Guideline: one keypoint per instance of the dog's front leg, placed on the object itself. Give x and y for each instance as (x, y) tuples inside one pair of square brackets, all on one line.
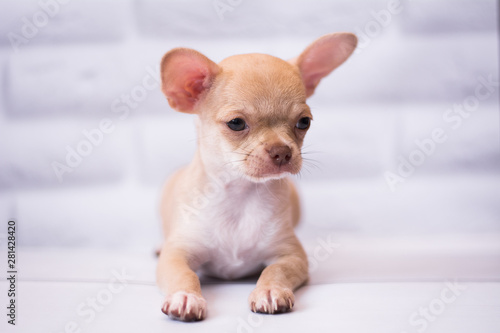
[(274, 291), (181, 284)]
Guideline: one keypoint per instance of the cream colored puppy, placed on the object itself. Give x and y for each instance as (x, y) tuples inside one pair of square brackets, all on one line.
[(231, 212)]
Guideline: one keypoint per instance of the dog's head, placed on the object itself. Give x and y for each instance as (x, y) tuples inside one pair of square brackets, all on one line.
[(252, 108)]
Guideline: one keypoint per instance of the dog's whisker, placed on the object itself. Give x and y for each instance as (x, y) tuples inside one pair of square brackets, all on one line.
[(313, 165), (197, 138), (233, 162), (240, 153), (270, 192), (306, 169), (311, 152)]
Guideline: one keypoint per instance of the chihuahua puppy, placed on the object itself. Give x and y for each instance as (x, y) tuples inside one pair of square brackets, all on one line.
[(231, 212)]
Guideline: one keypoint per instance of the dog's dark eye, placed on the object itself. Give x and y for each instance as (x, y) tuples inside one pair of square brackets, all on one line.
[(303, 123), (237, 124)]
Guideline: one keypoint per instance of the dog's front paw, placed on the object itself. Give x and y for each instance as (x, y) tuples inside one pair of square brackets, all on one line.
[(185, 306), (271, 300)]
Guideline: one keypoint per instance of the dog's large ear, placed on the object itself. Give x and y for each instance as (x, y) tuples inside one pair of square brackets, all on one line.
[(323, 56), (186, 77)]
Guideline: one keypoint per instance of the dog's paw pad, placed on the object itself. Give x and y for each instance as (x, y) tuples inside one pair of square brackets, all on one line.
[(185, 306), (271, 300)]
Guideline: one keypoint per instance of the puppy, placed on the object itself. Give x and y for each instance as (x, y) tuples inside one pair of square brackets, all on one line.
[(231, 212)]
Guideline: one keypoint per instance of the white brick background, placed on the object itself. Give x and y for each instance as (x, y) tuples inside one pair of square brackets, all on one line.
[(73, 71)]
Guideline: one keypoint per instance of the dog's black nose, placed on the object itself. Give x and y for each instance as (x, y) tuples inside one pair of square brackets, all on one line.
[(280, 154)]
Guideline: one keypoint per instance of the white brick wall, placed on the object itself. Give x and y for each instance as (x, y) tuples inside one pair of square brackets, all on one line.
[(64, 21), (67, 79), (105, 216), (93, 65), (29, 147), (254, 19), (449, 16), (473, 145), (424, 205)]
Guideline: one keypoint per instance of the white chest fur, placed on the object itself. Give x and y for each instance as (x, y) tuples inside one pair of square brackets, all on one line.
[(240, 226)]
